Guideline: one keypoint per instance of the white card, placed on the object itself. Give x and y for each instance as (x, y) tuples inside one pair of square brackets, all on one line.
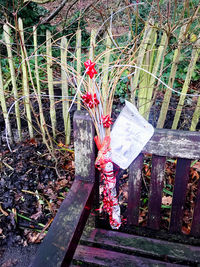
[(129, 135)]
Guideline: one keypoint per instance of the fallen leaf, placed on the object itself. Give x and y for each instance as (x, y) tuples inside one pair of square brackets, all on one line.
[(36, 215), (185, 230), (10, 263), (167, 200), (3, 211), (196, 166)]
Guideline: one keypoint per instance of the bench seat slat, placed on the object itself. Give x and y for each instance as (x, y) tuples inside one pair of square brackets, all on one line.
[(102, 257), (134, 191), (155, 193), (179, 194), (142, 246), (172, 143)]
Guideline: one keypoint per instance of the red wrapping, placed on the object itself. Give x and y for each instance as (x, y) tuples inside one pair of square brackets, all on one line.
[(105, 165)]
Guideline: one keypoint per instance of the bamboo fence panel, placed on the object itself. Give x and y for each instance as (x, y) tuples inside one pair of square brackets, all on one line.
[(168, 93), (139, 61), (160, 52), (4, 107), (25, 78), (64, 82), (78, 57), (37, 77), (194, 57), (105, 71), (145, 77), (50, 82), (148, 58), (13, 78)]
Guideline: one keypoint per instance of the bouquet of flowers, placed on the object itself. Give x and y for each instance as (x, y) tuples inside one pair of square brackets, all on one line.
[(116, 149), (101, 116)]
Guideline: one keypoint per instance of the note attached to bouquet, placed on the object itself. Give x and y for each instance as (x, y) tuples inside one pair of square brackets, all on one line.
[(129, 135)]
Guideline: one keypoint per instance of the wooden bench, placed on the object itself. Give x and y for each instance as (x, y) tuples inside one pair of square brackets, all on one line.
[(136, 246)]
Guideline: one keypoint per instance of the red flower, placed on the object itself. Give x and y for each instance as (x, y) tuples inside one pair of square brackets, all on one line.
[(107, 121), (96, 101), (90, 70), (87, 99)]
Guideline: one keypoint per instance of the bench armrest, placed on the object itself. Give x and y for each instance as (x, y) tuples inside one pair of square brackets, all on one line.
[(59, 245)]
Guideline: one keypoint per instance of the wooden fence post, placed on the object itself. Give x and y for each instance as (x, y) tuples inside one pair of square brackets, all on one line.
[(139, 61), (168, 93), (160, 54), (105, 72), (78, 56), (26, 92), (42, 120), (4, 107), (195, 54), (65, 100), (13, 78), (50, 82), (92, 50), (145, 77)]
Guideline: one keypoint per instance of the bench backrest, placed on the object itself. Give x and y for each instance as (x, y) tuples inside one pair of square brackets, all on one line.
[(185, 146)]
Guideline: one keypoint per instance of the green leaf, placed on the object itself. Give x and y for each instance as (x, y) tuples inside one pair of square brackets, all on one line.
[(167, 192)]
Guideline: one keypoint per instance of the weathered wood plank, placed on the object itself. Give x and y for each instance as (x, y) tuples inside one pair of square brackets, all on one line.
[(172, 143), (102, 257), (195, 229), (59, 245), (155, 194), (138, 245), (84, 146), (179, 194), (135, 175)]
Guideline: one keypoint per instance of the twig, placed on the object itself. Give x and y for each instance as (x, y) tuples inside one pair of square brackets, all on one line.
[(57, 10)]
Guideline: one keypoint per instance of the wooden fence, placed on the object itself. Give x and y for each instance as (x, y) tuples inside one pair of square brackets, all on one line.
[(149, 58)]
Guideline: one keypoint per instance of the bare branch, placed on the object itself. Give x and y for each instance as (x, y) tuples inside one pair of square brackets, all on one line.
[(56, 11)]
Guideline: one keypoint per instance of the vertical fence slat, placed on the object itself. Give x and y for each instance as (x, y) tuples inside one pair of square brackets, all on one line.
[(168, 92), (92, 50), (65, 100), (50, 82), (195, 54), (105, 72), (4, 107), (179, 194), (145, 77), (37, 77), (78, 56), (25, 79), (195, 229), (134, 191), (13, 78), (155, 194), (160, 53), (140, 57), (195, 117)]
